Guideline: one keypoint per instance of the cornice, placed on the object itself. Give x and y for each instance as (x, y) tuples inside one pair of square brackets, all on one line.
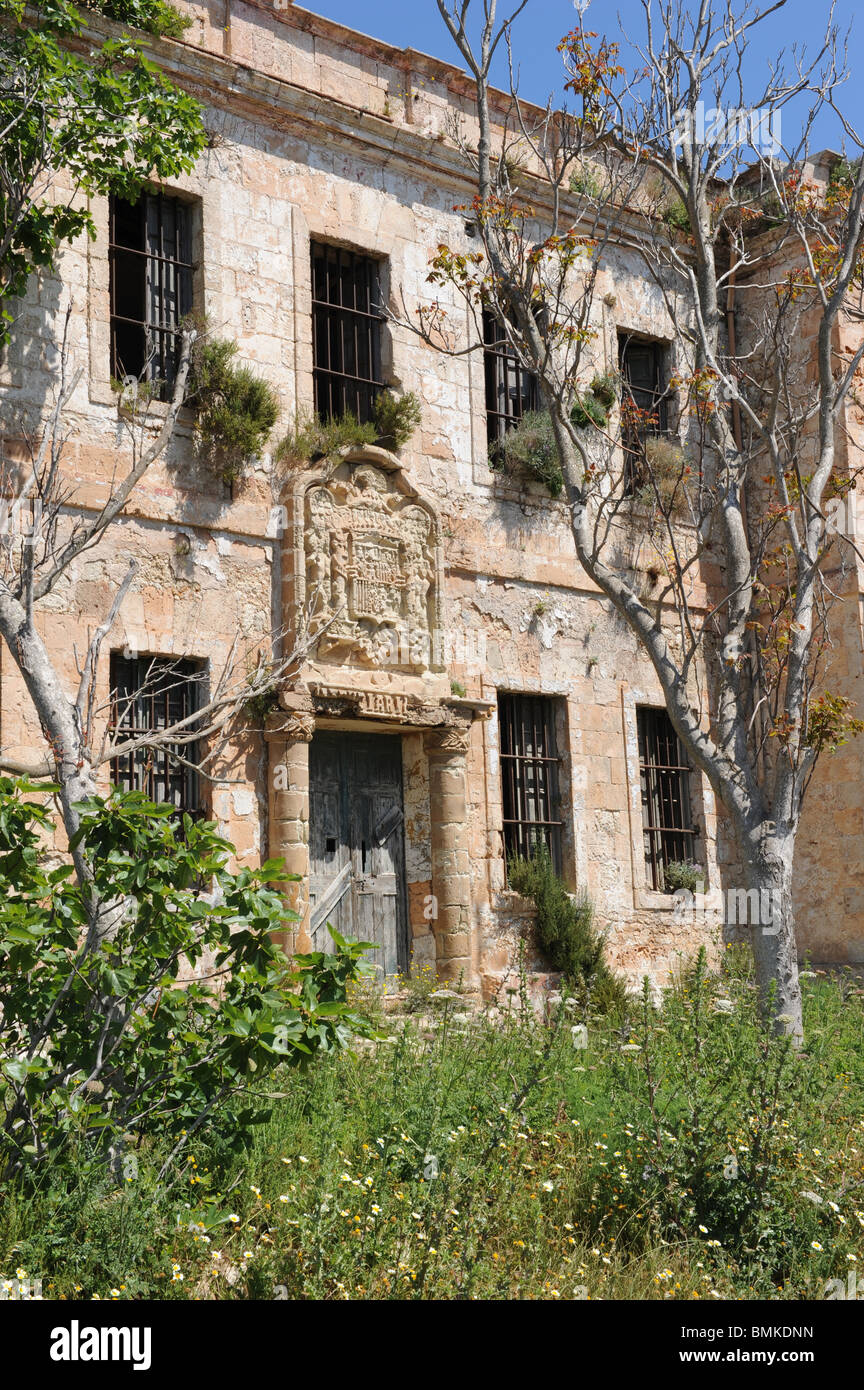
[(220, 82)]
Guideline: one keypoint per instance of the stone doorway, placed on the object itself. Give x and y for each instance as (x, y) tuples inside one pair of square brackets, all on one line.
[(357, 844)]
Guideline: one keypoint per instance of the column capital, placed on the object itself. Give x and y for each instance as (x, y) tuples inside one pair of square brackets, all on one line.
[(290, 726), (449, 738)]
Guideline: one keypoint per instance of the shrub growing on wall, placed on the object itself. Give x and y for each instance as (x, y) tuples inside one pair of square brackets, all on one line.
[(565, 929), (529, 450), (237, 409), (395, 420), (529, 447), (313, 438)]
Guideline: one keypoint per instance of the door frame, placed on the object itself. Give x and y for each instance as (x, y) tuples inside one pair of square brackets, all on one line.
[(368, 733)]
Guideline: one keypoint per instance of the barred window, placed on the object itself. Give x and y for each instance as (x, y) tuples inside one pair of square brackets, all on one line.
[(150, 694), (645, 404), (510, 391), (346, 332), (667, 823), (150, 259), (529, 776)]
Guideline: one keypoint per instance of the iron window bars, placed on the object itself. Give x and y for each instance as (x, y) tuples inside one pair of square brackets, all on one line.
[(346, 332), (664, 774), (149, 694), (644, 381), (510, 391), (529, 776), (150, 260)]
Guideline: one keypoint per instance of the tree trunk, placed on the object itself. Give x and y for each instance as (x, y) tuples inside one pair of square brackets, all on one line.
[(772, 929), (57, 717)]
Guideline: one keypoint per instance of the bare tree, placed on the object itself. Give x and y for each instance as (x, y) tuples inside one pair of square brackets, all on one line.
[(721, 219), (44, 533)]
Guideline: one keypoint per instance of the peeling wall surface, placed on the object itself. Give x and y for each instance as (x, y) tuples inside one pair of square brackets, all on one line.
[(456, 585)]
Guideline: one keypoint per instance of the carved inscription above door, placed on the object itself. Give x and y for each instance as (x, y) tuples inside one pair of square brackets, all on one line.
[(370, 558)]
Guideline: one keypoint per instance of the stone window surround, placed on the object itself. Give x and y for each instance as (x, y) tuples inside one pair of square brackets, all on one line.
[(607, 360), (572, 860), (205, 234), (159, 643), (308, 226), (670, 361), (195, 680), (703, 808)]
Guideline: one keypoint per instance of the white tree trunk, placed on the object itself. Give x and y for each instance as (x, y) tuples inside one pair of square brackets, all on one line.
[(775, 952), (56, 712)]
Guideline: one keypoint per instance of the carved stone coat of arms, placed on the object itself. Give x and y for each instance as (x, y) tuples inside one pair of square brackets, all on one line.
[(370, 572)]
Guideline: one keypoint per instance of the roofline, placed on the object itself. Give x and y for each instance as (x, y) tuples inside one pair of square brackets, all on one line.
[(450, 74)]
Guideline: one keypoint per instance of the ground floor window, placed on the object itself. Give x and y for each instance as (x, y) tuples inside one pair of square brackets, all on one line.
[(530, 766), (148, 695), (664, 773)]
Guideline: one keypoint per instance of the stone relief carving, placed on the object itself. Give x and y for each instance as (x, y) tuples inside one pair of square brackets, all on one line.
[(370, 572), (292, 726), (452, 738)]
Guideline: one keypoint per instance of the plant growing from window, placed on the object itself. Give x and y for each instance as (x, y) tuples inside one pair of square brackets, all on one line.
[(679, 874), (396, 418), (667, 470), (237, 409), (313, 438), (528, 449), (566, 931)]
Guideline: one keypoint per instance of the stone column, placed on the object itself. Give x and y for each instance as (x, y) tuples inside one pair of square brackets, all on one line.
[(288, 735), (451, 867)]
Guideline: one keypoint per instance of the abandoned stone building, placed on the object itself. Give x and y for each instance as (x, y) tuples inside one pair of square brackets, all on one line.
[(463, 689)]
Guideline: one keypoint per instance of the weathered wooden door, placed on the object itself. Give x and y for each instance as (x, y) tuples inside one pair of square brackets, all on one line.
[(357, 844)]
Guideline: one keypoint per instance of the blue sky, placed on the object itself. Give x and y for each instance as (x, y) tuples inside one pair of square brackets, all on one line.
[(417, 24)]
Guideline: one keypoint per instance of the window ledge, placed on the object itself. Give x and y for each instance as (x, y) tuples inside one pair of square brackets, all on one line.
[(647, 899)]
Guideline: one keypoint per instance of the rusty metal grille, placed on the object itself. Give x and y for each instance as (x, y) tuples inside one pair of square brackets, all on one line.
[(150, 260), (643, 376), (529, 776), (510, 391), (346, 332), (149, 694), (664, 772)]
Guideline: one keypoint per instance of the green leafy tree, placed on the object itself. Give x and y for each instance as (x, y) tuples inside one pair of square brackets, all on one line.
[(165, 1023), (73, 126)]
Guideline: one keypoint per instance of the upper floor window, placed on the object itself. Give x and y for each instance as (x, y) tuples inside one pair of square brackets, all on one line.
[(150, 257), (664, 774), (646, 399), (148, 695), (529, 776), (510, 391), (346, 332)]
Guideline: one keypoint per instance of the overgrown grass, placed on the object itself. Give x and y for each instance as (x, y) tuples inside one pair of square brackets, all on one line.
[(680, 1156)]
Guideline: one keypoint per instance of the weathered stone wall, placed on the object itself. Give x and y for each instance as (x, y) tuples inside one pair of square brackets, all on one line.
[(319, 133), (828, 885)]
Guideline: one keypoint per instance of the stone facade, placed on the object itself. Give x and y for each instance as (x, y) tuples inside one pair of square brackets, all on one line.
[(415, 588)]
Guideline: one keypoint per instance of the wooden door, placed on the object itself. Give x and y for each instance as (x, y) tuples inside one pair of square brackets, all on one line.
[(357, 844)]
